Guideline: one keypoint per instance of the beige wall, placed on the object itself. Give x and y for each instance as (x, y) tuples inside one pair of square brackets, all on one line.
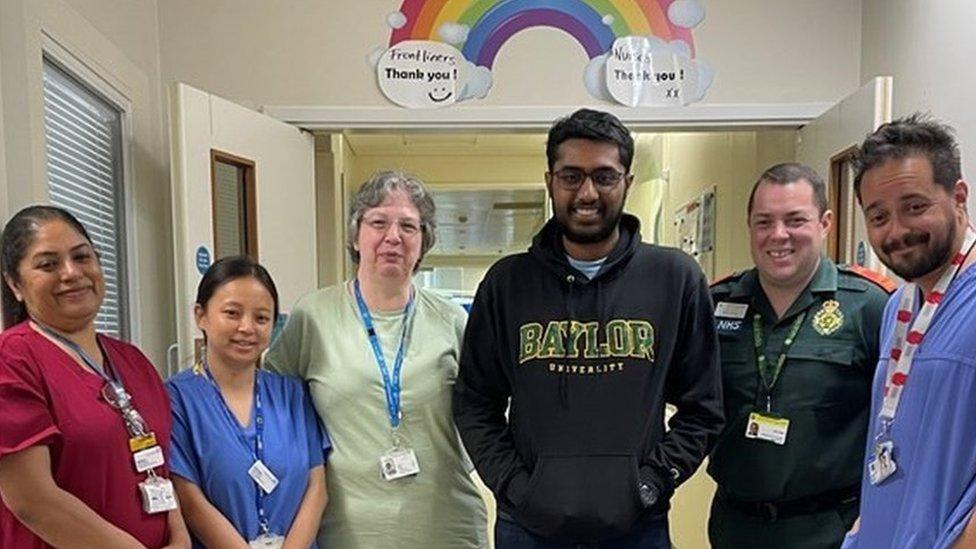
[(730, 162), (928, 47), (312, 52), (119, 42)]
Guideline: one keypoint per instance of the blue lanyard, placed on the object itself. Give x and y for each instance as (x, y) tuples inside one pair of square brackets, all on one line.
[(113, 391), (110, 377), (391, 385), (257, 451)]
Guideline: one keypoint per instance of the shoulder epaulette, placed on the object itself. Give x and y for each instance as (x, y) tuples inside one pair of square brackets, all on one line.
[(725, 278), (877, 278)]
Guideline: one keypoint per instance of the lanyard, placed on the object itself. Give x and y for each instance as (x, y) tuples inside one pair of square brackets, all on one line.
[(769, 379), (113, 391), (391, 384), (110, 377), (910, 333), (257, 451)]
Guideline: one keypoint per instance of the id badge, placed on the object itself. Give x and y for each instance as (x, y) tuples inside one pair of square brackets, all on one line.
[(399, 463), (766, 427), (883, 464), (157, 495), (147, 459), (263, 476), (267, 541)]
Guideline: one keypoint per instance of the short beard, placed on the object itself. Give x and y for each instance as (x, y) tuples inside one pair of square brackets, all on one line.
[(939, 257), (591, 238)]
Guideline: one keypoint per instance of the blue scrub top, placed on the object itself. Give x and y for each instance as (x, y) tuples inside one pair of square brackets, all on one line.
[(207, 450), (927, 502)]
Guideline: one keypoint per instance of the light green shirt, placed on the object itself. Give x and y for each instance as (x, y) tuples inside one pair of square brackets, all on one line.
[(325, 343)]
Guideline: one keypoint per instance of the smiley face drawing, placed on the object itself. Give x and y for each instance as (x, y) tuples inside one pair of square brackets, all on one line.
[(440, 94)]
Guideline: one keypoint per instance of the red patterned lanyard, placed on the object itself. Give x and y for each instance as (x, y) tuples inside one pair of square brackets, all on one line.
[(909, 334)]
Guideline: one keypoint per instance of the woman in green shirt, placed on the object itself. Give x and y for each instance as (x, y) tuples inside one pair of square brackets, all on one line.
[(380, 357)]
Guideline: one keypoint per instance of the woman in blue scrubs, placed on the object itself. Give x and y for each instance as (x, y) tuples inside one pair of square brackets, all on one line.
[(248, 451)]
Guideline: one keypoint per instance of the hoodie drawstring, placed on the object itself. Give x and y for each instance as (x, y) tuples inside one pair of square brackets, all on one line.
[(571, 314)]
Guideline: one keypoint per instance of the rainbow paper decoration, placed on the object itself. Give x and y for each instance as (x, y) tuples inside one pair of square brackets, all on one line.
[(595, 24)]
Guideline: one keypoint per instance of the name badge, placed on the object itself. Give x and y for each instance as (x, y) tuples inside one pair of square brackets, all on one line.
[(267, 541), (263, 476), (726, 309), (399, 463), (157, 494), (768, 428), (147, 459), (883, 465)]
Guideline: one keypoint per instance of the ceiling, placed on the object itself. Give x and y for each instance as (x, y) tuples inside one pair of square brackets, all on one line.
[(493, 220), (487, 222)]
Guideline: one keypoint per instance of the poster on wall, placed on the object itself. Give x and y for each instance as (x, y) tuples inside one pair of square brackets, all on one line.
[(641, 52), (694, 224)]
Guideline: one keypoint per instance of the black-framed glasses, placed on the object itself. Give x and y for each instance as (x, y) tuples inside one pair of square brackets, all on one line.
[(572, 179)]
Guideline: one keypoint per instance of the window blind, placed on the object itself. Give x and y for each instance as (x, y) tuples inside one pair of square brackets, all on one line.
[(84, 170)]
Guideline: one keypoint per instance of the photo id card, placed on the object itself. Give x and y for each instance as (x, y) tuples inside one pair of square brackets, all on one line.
[(399, 463), (267, 541), (263, 476), (157, 495), (883, 464), (147, 459), (766, 427)]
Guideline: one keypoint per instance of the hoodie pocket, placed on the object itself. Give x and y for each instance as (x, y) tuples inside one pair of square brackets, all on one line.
[(582, 498)]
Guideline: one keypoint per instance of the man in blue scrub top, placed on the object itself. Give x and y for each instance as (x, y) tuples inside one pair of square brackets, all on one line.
[(919, 485)]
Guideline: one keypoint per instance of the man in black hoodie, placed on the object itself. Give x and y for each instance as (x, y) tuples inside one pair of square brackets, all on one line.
[(584, 339)]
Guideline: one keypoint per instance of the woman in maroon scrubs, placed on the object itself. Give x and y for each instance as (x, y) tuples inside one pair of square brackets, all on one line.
[(86, 421)]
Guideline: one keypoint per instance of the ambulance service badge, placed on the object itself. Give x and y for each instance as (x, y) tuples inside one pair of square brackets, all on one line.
[(829, 318)]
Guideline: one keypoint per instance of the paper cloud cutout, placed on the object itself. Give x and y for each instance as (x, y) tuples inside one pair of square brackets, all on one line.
[(477, 82), (396, 20), (706, 75), (686, 13), (595, 78), (374, 56), (680, 47), (453, 33)]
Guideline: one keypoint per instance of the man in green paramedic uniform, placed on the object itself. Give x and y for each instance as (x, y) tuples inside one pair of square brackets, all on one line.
[(799, 344)]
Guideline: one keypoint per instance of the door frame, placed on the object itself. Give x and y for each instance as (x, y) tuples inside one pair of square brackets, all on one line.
[(709, 116)]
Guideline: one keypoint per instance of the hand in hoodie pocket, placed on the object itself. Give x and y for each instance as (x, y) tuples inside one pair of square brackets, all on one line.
[(582, 498)]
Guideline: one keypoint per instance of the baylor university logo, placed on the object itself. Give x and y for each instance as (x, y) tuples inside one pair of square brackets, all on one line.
[(562, 339)]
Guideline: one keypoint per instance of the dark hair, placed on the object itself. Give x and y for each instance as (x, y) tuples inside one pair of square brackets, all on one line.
[(230, 268), (915, 135), (592, 125), (18, 235), (374, 191), (792, 172)]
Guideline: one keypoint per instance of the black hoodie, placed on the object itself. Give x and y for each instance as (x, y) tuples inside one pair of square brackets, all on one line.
[(589, 366)]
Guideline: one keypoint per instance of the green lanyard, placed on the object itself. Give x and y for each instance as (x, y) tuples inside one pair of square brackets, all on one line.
[(768, 378)]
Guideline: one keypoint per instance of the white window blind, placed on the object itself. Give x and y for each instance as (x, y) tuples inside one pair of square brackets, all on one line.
[(84, 170)]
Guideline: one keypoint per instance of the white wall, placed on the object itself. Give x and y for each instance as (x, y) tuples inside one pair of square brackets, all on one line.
[(284, 172), (312, 52), (118, 41), (928, 47)]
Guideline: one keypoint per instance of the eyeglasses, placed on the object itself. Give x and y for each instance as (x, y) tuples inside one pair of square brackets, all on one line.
[(407, 227), (572, 179)]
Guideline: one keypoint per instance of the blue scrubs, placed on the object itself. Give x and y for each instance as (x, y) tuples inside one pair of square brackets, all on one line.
[(927, 502), (207, 449)]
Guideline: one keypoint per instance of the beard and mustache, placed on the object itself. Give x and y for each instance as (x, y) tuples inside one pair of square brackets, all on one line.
[(603, 232), (935, 256)]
